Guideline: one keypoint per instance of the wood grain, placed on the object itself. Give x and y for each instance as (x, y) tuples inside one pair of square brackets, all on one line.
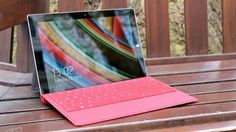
[(192, 78), (26, 92), (156, 119), (196, 29), (198, 78), (213, 83), (157, 28), (7, 66), (214, 126), (23, 117), (73, 5), (15, 78), (208, 88), (21, 105), (3, 91), (229, 26), (6, 45), (188, 59), (24, 57), (215, 98), (13, 12), (109, 4), (22, 92), (194, 67), (208, 106), (207, 98)]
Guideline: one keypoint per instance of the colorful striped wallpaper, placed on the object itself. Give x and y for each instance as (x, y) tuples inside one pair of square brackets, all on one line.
[(85, 52)]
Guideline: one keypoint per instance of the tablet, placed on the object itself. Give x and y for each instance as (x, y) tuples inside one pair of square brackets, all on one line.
[(81, 49)]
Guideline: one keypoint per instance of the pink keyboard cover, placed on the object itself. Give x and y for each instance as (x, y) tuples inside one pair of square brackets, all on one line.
[(105, 94), (87, 99)]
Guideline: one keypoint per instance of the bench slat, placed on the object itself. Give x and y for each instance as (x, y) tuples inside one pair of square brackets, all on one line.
[(196, 78), (24, 55), (3, 91), (6, 45), (7, 66), (215, 126), (196, 67), (10, 9), (73, 5), (157, 28), (41, 126), (14, 12), (208, 88), (24, 92), (196, 29), (33, 116), (21, 105), (229, 26), (15, 78), (189, 59), (190, 114), (108, 4), (215, 98)]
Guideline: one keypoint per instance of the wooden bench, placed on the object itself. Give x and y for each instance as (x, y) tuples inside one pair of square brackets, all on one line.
[(210, 78)]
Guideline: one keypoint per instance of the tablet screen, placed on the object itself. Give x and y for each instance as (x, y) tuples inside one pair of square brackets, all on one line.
[(77, 50)]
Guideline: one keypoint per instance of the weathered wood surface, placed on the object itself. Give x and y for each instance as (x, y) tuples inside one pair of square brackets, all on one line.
[(196, 27), (157, 28), (213, 83), (210, 78), (229, 26), (6, 45), (13, 12)]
